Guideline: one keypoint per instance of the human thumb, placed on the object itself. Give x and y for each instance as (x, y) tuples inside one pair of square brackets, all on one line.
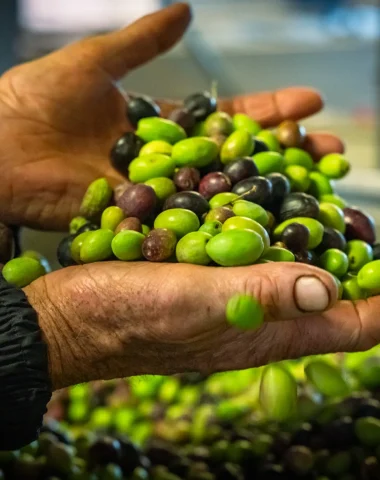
[(120, 51), (285, 290)]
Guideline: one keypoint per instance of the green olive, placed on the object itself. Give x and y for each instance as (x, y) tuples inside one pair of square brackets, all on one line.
[(320, 185), (195, 152), (199, 130), (367, 430), (235, 248), (334, 165), (145, 229), (111, 217), (339, 285), (270, 139), (277, 254), (192, 248), (96, 199), (269, 162), (212, 228), (359, 253), (246, 223), (156, 146), (22, 271), (338, 464), (369, 276), (77, 245), (76, 223), (39, 257), (218, 123), (239, 144), (298, 177), (222, 199), (326, 378), (244, 122), (334, 261), (315, 228), (127, 245), (332, 216), (351, 289), (243, 208), (278, 393), (96, 246), (150, 166), (155, 128), (335, 199), (244, 312), (179, 220), (297, 156), (163, 187)]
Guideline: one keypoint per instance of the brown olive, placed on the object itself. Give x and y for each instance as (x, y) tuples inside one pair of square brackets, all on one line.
[(290, 134)]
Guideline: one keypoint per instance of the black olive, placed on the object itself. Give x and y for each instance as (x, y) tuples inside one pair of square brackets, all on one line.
[(87, 227), (193, 201), (105, 450), (332, 239), (368, 407), (163, 455), (376, 251), (296, 237), (126, 149), (280, 189), (215, 166), (130, 456), (64, 253), (260, 146), (201, 105), (299, 205), (303, 436), (339, 432), (141, 107), (240, 169), (254, 189)]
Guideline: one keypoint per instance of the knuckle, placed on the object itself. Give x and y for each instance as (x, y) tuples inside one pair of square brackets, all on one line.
[(266, 289)]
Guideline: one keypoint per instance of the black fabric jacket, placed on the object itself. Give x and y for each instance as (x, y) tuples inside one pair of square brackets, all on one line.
[(25, 387)]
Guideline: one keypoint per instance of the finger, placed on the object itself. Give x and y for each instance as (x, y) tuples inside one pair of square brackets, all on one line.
[(320, 144), (285, 290), (271, 108), (347, 327), (145, 39)]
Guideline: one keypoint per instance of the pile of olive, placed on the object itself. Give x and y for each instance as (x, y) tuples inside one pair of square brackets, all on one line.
[(207, 188), (210, 189), (234, 426)]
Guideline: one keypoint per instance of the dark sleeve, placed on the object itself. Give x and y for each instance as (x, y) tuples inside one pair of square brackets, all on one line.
[(25, 387)]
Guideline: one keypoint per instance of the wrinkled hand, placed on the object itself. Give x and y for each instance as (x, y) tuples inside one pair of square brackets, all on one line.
[(111, 320), (60, 115)]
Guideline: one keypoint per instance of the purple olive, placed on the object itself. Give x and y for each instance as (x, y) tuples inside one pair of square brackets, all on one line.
[(359, 225), (187, 178), (138, 201), (214, 183)]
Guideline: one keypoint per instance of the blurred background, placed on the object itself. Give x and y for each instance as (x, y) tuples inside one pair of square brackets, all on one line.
[(246, 45)]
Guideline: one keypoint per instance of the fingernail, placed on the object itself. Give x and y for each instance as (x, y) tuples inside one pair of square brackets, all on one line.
[(311, 295)]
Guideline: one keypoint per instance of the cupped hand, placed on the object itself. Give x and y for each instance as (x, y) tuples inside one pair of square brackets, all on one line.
[(60, 115), (111, 320)]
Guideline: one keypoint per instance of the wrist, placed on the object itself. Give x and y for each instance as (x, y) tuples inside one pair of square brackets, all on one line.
[(111, 320), (74, 356)]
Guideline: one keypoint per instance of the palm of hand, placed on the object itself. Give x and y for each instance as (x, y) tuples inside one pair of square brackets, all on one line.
[(62, 116)]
